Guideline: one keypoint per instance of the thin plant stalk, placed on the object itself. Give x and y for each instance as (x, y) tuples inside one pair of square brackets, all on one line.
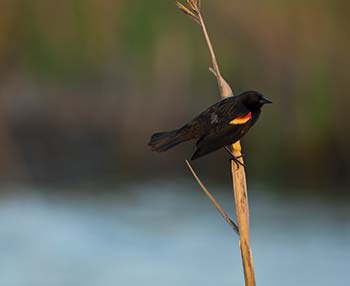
[(213, 200), (238, 174)]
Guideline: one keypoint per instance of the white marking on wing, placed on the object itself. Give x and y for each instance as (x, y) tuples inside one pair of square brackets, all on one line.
[(214, 118)]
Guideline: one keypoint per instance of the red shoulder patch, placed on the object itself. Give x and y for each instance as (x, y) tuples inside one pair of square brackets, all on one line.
[(241, 119)]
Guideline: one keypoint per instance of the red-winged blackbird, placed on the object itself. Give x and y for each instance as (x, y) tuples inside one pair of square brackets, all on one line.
[(220, 125)]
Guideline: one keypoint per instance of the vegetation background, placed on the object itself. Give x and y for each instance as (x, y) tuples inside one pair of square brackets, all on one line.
[(83, 85)]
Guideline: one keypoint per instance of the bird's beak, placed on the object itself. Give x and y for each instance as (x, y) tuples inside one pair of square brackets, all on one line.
[(264, 100)]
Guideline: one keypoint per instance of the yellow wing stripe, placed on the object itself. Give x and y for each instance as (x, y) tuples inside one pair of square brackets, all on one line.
[(241, 119)]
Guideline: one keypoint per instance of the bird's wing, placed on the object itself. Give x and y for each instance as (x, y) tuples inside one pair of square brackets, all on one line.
[(226, 111), (221, 138)]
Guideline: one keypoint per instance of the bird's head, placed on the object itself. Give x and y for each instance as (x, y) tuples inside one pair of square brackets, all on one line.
[(253, 100)]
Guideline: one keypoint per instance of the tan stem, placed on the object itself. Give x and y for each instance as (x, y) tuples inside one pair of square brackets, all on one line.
[(225, 89), (242, 214), (213, 200), (238, 177)]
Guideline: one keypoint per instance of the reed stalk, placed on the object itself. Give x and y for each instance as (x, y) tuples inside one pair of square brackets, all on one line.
[(239, 183)]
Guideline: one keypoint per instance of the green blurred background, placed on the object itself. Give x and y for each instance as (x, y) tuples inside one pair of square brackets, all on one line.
[(83, 85)]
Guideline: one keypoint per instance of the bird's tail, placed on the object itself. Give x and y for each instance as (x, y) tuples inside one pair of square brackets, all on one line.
[(163, 141)]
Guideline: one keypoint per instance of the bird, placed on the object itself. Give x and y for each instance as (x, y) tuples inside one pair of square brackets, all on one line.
[(220, 125)]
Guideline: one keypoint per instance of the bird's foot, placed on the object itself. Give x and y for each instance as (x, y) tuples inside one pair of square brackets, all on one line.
[(235, 158), (237, 162)]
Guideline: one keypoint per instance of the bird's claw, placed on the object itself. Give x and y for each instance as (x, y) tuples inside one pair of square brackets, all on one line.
[(237, 162), (235, 159)]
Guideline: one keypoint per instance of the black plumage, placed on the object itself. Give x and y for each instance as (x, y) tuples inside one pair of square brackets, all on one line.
[(222, 124)]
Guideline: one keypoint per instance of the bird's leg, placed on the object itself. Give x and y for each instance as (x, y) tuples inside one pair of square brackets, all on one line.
[(235, 158)]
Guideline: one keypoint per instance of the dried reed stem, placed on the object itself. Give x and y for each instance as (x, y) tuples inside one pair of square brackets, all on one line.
[(238, 174), (224, 87), (242, 214), (213, 200)]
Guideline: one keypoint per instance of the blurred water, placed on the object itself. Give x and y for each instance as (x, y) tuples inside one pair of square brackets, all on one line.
[(167, 234)]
